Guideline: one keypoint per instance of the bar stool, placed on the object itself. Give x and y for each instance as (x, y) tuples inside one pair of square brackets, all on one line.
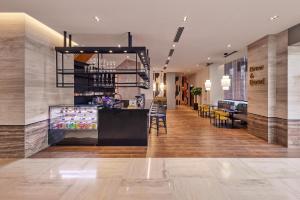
[(157, 115)]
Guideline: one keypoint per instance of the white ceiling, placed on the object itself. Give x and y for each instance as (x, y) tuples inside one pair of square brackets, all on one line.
[(211, 25)]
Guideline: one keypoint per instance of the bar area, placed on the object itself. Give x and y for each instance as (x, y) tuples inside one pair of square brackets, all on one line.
[(101, 79)]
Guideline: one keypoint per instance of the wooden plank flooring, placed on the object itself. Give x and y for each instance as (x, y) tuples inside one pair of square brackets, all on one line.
[(188, 136)]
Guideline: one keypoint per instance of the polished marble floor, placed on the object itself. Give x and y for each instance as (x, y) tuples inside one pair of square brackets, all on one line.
[(150, 178)]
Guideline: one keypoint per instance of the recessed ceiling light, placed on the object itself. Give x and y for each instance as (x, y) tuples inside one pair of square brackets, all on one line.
[(185, 18), (208, 58), (174, 45), (97, 18), (125, 51), (81, 51), (110, 51), (96, 51), (119, 45), (274, 17), (66, 51), (228, 45), (169, 58)]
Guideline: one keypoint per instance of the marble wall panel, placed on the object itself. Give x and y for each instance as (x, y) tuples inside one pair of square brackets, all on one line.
[(36, 137), (12, 69)]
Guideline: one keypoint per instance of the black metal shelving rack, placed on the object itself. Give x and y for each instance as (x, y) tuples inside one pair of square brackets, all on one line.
[(142, 73)]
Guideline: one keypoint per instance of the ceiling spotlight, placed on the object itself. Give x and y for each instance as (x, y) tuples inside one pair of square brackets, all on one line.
[(110, 51), (66, 51), (174, 45), (125, 51), (208, 58), (228, 45), (96, 51), (119, 45), (97, 18), (185, 18), (169, 58), (81, 51), (274, 17)]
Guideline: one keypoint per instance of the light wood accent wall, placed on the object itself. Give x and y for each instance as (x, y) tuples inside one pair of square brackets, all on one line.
[(258, 95), (281, 75)]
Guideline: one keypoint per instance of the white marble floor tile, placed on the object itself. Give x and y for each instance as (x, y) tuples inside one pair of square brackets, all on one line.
[(150, 178)]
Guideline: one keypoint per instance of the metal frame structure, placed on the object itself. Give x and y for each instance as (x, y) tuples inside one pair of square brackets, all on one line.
[(140, 52)]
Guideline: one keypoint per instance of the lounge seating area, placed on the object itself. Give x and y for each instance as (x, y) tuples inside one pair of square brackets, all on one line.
[(225, 114)]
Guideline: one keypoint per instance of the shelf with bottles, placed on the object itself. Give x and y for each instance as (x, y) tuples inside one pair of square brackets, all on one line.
[(73, 117)]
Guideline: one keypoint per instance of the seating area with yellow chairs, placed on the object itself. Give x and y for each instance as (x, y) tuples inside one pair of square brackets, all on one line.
[(204, 110), (221, 118)]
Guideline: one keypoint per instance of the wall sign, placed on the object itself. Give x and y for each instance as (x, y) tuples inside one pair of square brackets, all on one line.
[(253, 81)]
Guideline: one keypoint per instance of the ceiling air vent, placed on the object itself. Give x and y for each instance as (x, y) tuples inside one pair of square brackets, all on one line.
[(178, 34), (171, 52)]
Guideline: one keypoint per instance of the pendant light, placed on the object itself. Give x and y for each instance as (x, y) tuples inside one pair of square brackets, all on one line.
[(154, 87), (162, 86), (225, 81), (207, 85)]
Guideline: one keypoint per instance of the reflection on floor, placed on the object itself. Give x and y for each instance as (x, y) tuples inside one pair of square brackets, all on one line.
[(150, 178), (188, 136)]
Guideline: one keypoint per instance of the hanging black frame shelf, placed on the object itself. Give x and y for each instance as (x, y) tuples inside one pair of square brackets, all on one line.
[(142, 73)]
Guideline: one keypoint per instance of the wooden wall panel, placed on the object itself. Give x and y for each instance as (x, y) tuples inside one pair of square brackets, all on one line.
[(258, 95), (282, 75)]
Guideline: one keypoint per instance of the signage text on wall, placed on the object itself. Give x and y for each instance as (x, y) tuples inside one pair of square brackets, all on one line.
[(253, 81)]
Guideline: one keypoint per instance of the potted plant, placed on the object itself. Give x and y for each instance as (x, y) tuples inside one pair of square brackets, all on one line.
[(196, 91)]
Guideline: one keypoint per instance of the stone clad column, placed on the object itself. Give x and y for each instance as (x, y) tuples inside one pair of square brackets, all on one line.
[(171, 101), (273, 89)]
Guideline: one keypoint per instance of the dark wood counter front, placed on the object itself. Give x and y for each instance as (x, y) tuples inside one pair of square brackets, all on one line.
[(123, 127)]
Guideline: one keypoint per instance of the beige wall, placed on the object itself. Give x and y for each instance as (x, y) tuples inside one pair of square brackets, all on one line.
[(216, 73), (294, 82), (40, 75), (12, 31), (171, 101), (28, 62), (197, 80)]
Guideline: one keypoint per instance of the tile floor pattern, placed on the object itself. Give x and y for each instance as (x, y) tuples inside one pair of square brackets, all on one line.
[(150, 178)]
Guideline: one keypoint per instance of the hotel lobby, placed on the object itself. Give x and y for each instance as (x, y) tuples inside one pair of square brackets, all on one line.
[(176, 100)]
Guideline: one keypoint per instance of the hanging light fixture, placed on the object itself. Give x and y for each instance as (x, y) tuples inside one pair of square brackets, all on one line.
[(154, 87), (207, 85), (162, 86), (225, 82)]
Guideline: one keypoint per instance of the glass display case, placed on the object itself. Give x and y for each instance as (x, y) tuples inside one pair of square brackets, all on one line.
[(73, 117)]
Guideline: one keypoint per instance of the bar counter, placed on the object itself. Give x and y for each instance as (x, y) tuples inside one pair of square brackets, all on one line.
[(114, 126), (123, 127)]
